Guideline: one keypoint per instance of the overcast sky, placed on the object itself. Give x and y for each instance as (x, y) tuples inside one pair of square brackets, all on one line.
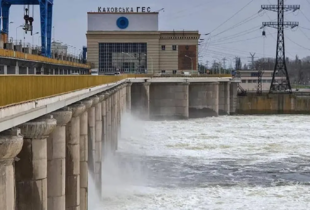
[(239, 36)]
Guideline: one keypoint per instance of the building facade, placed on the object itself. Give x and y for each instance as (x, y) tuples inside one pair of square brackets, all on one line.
[(131, 42), (249, 79)]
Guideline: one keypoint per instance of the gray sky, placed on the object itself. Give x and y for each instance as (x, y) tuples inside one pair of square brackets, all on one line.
[(70, 21)]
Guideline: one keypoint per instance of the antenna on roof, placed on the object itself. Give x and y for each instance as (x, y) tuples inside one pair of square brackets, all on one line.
[(162, 9)]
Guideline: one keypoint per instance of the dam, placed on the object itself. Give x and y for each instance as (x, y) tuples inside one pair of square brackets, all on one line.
[(51, 138)]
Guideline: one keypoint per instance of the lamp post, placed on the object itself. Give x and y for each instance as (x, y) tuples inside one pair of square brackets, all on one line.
[(33, 37), (191, 62), (16, 32)]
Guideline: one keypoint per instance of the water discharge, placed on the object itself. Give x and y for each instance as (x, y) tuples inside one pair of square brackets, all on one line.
[(233, 162)]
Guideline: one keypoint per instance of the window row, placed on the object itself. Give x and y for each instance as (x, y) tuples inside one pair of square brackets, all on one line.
[(123, 57), (174, 47)]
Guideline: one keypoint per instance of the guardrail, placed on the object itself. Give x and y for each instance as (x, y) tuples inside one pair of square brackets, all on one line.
[(179, 75), (30, 57), (22, 88)]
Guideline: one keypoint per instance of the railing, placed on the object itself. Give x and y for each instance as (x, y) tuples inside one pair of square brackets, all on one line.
[(18, 89), (30, 57), (22, 88), (180, 75)]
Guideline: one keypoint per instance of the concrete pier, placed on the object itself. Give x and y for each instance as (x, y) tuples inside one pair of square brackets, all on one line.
[(108, 142), (224, 98), (204, 99), (98, 142), (73, 158), (84, 155), (104, 123), (169, 100), (56, 161), (11, 143), (31, 169)]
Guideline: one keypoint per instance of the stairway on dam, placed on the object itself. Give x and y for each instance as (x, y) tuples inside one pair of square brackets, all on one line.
[(54, 129)]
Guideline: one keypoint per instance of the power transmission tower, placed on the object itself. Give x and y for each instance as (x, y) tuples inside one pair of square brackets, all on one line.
[(259, 81), (224, 63), (280, 70), (252, 61)]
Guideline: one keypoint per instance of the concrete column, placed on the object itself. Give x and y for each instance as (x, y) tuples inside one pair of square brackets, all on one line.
[(147, 102), (128, 96), (73, 158), (5, 69), (227, 98), (104, 123), (27, 70), (42, 70), (31, 169), (233, 97), (109, 123), (56, 161), (184, 102), (216, 90), (11, 142), (118, 115), (17, 68), (98, 142), (113, 120), (84, 155), (92, 134)]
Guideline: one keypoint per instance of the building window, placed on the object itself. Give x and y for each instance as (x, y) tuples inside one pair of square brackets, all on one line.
[(243, 81), (163, 47), (122, 57), (174, 47), (163, 71), (174, 72)]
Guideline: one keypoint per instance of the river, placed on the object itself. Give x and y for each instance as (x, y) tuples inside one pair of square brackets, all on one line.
[(229, 162)]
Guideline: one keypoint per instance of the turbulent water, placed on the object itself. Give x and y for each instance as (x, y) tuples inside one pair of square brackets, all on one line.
[(239, 162)]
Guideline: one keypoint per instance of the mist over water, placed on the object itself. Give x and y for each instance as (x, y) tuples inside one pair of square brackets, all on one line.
[(231, 162)]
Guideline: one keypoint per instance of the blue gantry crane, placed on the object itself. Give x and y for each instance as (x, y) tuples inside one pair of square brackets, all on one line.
[(46, 15)]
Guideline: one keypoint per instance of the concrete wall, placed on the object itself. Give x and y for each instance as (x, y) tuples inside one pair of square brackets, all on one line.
[(169, 100), (204, 99), (183, 99), (273, 104)]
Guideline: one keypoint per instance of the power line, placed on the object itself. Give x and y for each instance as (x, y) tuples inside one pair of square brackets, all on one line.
[(233, 15), (304, 15), (297, 43), (254, 29), (239, 40), (304, 28), (239, 24)]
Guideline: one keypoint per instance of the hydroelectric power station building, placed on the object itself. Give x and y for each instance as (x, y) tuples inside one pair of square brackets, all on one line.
[(128, 40)]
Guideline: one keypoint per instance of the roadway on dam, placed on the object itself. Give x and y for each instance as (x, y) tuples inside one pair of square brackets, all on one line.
[(229, 162)]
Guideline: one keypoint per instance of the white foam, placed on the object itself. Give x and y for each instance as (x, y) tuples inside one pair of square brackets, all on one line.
[(252, 139)]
